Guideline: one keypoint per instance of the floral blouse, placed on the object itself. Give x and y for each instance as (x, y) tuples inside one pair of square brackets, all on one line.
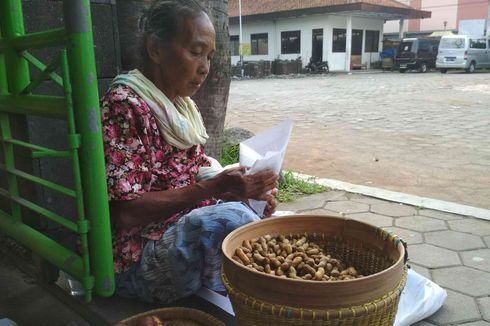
[(137, 161)]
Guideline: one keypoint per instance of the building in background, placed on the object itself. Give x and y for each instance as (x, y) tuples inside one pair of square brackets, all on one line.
[(463, 16), (343, 32)]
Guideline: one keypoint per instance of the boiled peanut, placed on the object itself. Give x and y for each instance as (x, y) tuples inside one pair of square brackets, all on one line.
[(328, 267), (312, 252), (244, 258), (276, 263), (267, 268), (258, 257), (352, 271), (258, 267), (247, 245), (319, 273), (300, 265), (335, 272), (256, 246), (285, 266), (296, 261), (310, 269), (301, 241)]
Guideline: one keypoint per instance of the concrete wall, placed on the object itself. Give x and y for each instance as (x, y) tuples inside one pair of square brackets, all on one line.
[(442, 10), (449, 11), (470, 9), (306, 25)]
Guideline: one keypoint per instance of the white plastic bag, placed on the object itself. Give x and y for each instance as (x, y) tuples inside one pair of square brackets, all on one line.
[(419, 299), (7, 322)]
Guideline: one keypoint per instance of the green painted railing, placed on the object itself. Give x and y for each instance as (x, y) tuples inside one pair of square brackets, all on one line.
[(93, 265)]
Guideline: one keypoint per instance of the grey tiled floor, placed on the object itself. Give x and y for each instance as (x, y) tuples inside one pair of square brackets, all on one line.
[(451, 250)]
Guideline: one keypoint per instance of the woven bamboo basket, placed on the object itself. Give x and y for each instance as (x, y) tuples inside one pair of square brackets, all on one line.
[(262, 299), (174, 316)]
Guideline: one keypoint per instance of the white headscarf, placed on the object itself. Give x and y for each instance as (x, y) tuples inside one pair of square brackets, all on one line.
[(180, 125)]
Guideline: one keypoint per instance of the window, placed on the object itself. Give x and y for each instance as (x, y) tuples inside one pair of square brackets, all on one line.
[(452, 43), (234, 45), (372, 41), (406, 47), (424, 46), (356, 43), (290, 42), (260, 43), (478, 43), (338, 40)]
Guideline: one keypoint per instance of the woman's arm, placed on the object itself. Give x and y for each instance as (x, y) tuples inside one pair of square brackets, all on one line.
[(128, 132), (158, 205)]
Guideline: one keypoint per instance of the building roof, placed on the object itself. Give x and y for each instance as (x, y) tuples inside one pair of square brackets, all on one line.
[(273, 9)]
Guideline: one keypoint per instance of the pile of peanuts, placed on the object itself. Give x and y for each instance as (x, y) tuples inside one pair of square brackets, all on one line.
[(293, 257)]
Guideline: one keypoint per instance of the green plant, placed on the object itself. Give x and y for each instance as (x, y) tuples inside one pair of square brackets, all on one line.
[(291, 187), (230, 155)]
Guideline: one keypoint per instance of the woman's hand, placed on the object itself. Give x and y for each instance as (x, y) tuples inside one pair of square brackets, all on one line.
[(234, 182), (271, 205)]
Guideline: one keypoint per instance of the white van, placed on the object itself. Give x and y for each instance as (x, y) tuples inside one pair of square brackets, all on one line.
[(463, 52)]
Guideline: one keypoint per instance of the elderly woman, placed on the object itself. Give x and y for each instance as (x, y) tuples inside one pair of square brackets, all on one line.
[(168, 221)]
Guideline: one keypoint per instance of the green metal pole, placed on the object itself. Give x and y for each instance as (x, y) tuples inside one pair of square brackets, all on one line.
[(3, 72), (40, 105), (87, 114), (43, 245), (74, 141), (12, 25)]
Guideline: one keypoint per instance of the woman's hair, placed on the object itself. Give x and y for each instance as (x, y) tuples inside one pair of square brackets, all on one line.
[(163, 19)]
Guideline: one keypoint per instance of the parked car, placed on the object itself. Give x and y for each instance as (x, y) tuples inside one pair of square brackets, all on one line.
[(417, 53), (463, 52)]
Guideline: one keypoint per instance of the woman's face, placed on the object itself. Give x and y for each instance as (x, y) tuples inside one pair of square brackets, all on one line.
[(184, 65)]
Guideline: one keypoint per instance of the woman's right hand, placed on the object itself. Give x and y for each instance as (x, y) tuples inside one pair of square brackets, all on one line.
[(251, 186)]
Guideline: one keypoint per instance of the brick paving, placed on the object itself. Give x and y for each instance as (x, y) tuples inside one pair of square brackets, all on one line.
[(421, 134), (451, 250)]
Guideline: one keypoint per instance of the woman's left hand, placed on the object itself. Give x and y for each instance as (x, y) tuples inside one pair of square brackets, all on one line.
[(271, 205)]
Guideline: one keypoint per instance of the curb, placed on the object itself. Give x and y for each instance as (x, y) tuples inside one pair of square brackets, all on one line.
[(399, 197)]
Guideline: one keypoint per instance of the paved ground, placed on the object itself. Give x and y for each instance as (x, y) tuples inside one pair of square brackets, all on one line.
[(452, 250), (422, 134), (434, 144)]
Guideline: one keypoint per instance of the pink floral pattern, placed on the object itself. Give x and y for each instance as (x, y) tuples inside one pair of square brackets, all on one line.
[(137, 161)]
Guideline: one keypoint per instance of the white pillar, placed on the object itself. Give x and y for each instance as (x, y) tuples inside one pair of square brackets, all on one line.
[(276, 43), (488, 21), (348, 43), (401, 29), (240, 41)]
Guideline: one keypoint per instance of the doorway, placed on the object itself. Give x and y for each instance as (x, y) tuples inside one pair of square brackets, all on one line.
[(317, 45), (356, 49)]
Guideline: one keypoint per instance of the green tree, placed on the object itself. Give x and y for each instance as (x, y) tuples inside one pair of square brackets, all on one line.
[(212, 98)]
